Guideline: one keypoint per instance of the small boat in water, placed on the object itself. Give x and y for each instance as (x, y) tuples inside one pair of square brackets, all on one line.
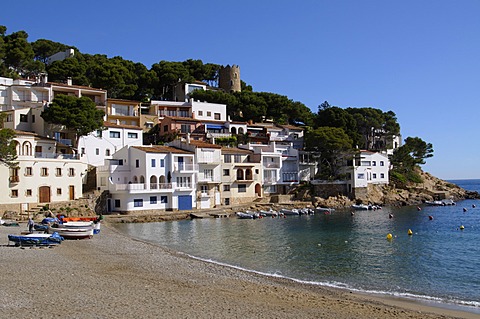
[(293, 211), (269, 213), (360, 207), (246, 215), (324, 210), (36, 239), (443, 202)]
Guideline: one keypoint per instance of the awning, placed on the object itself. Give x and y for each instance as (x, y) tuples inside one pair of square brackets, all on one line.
[(215, 126)]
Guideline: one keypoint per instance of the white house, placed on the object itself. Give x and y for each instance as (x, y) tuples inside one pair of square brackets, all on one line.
[(208, 157), (368, 168), (47, 172), (147, 178), (100, 145)]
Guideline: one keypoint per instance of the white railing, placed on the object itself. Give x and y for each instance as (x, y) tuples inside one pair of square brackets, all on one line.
[(178, 167), (57, 155), (213, 179), (161, 186), (271, 165)]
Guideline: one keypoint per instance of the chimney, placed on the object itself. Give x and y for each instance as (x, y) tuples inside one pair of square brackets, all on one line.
[(69, 80), (193, 114)]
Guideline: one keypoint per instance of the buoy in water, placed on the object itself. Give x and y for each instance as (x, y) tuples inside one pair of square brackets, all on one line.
[(389, 236), (419, 208), (473, 206), (464, 209), (462, 228), (430, 217), (410, 232), (390, 215)]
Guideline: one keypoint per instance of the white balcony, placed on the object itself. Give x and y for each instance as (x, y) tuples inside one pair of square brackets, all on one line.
[(182, 167), (209, 179)]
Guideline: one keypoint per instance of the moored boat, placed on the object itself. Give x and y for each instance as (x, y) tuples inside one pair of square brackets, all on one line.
[(292, 211)]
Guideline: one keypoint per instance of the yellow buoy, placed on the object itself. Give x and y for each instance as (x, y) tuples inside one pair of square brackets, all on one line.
[(410, 232), (462, 228), (389, 236)]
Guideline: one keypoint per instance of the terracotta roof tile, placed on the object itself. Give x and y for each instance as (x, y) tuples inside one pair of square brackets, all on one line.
[(161, 149)]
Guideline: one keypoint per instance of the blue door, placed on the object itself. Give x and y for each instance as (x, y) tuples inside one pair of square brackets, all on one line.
[(180, 164), (185, 202)]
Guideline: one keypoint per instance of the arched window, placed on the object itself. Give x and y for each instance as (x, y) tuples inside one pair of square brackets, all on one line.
[(161, 180), (135, 179), (239, 174), (153, 182), (234, 130), (26, 149), (248, 174), (142, 179), (240, 130)]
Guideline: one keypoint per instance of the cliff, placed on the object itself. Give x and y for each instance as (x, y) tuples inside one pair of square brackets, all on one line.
[(431, 189)]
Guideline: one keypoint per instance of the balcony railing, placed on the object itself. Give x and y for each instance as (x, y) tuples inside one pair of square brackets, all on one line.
[(57, 155), (270, 180), (179, 167), (183, 185), (65, 141), (161, 186), (209, 179), (271, 165)]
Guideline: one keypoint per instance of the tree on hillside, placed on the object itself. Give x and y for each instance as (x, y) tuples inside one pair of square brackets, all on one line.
[(333, 116), (45, 48), (334, 147), (407, 158), (19, 54), (79, 115), (8, 152)]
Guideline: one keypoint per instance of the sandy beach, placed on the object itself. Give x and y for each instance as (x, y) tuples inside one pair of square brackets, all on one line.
[(114, 276)]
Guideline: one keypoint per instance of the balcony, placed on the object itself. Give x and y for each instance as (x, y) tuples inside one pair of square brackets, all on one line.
[(161, 186), (181, 167), (143, 188), (183, 186), (209, 179), (290, 177), (218, 135), (269, 180), (57, 156), (65, 141), (271, 165)]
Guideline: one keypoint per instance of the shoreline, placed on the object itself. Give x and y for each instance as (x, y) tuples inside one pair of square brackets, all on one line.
[(114, 275)]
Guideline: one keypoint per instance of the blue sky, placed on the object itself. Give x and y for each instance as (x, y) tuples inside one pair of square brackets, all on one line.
[(419, 59)]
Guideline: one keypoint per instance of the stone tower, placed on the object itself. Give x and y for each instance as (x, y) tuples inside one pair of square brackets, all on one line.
[(229, 78)]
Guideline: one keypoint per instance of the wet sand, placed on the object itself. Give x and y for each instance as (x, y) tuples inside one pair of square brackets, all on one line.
[(115, 276)]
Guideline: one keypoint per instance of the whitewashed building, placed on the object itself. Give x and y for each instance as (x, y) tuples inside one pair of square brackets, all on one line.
[(367, 168), (147, 178), (47, 172)]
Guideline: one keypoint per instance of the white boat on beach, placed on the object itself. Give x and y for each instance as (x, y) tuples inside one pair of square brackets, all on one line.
[(324, 210), (443, 202), (73, 230), (269, 213), (247, 215)]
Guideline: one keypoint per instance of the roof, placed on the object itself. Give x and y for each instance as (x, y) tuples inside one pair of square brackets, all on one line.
[(132, 127), (161, 149), (236, 122), (122, 100), (291, 127), (75, 86), (203, 144), (235, 150)]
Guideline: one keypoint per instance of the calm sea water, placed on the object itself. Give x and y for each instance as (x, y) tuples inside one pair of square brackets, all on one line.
[(439, 262)]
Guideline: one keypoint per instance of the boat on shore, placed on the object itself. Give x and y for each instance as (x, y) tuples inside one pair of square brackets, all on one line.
[(73, 230), (443, 202), (247, 215), (269, 213), (36, 239), (324, 210), (289, 212)]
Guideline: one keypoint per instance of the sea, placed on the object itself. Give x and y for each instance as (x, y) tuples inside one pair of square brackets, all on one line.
[(438, 264)]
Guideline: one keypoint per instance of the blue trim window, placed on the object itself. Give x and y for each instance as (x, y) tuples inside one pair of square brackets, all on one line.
[(138, 203), (162, 163), (153, 162)]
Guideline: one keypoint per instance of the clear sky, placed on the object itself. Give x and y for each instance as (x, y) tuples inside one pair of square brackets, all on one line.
[(419, 59)]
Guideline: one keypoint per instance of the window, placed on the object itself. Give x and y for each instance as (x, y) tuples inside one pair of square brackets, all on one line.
[(138, 203), (374, 175), (185, 128), (361, 176), (28, 171), (99, 133), (163, 199), (382, 175), (59, 191), (209, 114), (153, 199), (117, 203), (9, 118), (14, 193), (256, 171), (183, 181), (200, 113), (216, 116), (137, 163), (82, 152), (227, 158), (28, 192), (227, 201), (58, 171), (114, 134), (154, 162), (71, 171), (204, 189), (374, 163), (226, 188), (33, 118), (381, 163), (132, 135), (162, 163), (97, 151), (107, 152), (226, 172), (165, 128), (44, 171), (23, 118), (237, 158), (242, 188)]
